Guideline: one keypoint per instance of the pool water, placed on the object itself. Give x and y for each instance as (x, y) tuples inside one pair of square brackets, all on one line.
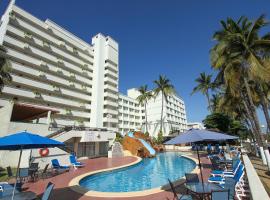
[(147, 174)]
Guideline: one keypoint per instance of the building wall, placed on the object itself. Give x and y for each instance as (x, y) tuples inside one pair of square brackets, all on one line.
[(54, 68), (174, 114)]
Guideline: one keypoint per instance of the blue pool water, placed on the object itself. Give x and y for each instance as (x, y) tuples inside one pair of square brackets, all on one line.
[(149, 173)]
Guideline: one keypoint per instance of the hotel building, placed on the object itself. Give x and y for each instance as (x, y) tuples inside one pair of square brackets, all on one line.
[(61, 84), (132, 116), (67, 89)]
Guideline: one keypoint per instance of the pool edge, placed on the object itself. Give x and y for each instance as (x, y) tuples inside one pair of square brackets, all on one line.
[(74, 183)]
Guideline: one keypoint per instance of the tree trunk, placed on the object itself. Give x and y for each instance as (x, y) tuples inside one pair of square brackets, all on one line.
[(263, 148), (208, 100), (146, 125), (263, 102), (161, 118)]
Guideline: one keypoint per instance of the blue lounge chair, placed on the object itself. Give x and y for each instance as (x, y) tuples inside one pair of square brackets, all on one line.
[(74, 162), (227, 173), (57, 167), (221, 180), (47, 193)]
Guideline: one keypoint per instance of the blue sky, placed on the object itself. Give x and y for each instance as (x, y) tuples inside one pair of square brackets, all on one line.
[(169, 37)]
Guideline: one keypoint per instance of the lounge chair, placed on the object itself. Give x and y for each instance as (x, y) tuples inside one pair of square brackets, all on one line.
[(218, 195), (48, 191), (59, 168), (227, 173), (74, 162), (221, 180), (178, 197)]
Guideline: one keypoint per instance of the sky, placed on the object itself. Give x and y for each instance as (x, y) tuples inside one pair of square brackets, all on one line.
[(167, 37)]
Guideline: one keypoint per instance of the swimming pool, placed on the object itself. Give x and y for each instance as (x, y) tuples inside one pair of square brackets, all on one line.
[(147, 174)]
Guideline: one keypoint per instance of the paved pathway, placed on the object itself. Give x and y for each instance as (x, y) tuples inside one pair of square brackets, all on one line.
[(63, 192)]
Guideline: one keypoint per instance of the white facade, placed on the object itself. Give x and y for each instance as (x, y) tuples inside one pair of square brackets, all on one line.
[(54, 68), (59, 81), (174, 114), (195, 125)]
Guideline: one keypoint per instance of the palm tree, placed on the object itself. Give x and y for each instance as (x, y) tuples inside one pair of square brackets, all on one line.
[(5, 67), (238, 56), (143, 99), (203, 86), (215, 102), (165, 88)]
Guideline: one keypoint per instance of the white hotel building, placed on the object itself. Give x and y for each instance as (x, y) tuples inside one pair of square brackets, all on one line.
[(67, 89), (132, 116)]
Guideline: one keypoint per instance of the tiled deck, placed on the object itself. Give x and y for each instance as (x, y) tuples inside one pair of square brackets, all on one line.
[(63, 192)]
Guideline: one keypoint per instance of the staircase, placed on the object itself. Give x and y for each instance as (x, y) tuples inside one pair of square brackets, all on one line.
[(117, 150)]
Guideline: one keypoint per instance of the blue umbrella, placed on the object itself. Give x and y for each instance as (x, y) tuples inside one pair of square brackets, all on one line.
[(25, 140), (196, 135)]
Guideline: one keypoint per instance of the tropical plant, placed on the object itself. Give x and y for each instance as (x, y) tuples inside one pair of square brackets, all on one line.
[(241, 57), (165, 88), (5, 68), (204, 84), (143, 98)]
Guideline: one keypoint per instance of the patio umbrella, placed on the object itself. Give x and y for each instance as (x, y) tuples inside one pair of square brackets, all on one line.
[(25, 140), (196, 135)]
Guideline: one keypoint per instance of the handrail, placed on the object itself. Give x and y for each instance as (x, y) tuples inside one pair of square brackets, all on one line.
[(257, 189)]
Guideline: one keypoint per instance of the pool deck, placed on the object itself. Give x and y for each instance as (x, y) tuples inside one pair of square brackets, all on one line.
[(62, 191)]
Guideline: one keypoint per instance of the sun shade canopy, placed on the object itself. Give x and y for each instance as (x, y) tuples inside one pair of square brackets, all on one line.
[(196, 135), (26, 140)]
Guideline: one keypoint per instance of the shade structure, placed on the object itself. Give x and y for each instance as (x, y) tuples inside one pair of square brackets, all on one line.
[(25, 140), (195, 136)]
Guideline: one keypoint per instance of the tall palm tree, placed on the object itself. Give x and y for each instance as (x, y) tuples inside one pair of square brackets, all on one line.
[(5, 67), (165, 88), (215, 102), (204, 84), (238, 54), (143, 98)]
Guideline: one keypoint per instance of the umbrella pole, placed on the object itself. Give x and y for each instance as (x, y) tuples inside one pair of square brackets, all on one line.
[(200, 166), (17, 172)]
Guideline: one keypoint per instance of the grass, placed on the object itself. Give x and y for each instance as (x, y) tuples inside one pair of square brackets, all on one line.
[(4, 175)]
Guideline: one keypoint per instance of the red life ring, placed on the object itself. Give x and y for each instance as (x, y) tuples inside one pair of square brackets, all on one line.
[(44, 152)]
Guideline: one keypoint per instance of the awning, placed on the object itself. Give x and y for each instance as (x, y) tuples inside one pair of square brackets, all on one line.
[(26, 112)]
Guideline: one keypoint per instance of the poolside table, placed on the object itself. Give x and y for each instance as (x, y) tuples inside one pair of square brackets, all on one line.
[(203, 190), (6, 194)]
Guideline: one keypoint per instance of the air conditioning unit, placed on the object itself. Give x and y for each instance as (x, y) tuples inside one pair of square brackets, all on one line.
[(43, 64), (59, 70), (71, 84), (37, 95), (46, 44), (71, 75), (42, 74), (56, 89), (60, 61), (62, 43), (26, 46)]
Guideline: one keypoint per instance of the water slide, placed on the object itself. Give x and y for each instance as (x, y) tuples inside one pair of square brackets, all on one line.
[(146, 144)]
